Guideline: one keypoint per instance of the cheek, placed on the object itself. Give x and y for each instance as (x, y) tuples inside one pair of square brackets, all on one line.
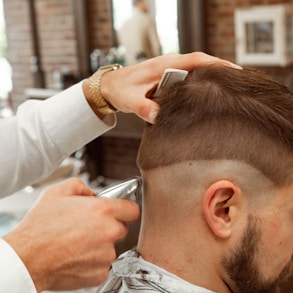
[(276, 247)]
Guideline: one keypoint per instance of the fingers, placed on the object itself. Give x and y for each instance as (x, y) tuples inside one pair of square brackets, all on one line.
[(121, 209), (188, 61), (146, 109), (127, 88), (127, 210), (202, 59), (71, 186), (79, 231)]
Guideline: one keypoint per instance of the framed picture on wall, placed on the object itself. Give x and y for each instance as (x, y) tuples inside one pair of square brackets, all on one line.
[(264, 35)]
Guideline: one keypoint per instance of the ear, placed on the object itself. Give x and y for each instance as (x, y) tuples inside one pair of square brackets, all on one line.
[(220, 204)]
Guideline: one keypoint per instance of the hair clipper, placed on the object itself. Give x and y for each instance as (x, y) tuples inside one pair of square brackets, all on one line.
[(130, 189)]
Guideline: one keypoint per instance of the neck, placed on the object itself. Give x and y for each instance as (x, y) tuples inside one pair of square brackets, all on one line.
[(166, 245)]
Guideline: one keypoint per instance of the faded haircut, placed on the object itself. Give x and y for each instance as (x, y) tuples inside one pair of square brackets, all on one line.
[(221, 113)]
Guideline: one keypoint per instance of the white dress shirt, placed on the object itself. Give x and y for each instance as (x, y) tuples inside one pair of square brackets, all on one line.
[(42, 134), (32, 144)]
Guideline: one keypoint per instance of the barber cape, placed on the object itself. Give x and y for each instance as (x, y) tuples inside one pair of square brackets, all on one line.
[(131, 273)]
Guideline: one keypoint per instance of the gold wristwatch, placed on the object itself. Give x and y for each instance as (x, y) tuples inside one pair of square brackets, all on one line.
[(95, 89)]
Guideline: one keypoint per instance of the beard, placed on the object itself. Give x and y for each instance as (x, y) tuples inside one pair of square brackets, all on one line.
[(242, 266)]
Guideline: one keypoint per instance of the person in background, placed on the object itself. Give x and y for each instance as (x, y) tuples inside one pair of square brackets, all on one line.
[(217, 207), (138, 35), (67, 241)]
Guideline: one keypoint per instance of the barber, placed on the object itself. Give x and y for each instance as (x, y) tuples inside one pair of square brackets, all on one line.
[(67, 240)]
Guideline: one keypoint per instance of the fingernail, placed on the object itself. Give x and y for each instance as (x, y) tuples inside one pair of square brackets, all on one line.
[(235, 66)]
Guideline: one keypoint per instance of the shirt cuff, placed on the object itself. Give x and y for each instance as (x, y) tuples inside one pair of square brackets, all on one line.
[(70, 111), (14, 277)]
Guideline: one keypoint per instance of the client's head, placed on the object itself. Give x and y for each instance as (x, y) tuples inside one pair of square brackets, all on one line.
[(217, 167)]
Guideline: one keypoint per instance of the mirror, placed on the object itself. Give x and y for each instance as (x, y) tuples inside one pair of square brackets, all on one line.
[(166, 23), (180, 28)]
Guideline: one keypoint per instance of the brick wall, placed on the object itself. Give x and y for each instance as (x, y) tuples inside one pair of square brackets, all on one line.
[(100, 24), (56, 37), (220, 38), (19, 46), (57, 41)]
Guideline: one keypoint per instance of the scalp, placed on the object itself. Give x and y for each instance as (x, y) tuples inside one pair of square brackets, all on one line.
[(220, 113)]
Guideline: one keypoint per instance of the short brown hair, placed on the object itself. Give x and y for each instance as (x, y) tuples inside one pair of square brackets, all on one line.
[(223, 113)]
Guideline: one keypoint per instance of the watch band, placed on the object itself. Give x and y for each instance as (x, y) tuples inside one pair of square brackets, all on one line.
[(95, 89)]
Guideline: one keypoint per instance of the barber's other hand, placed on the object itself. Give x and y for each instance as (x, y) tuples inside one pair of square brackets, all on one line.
[(67, 240), (126, 88)]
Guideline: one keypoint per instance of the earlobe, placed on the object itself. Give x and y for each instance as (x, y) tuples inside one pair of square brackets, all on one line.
[(219, 203)]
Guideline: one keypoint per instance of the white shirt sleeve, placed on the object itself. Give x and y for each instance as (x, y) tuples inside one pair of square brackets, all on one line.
[(14, 277), (42, 134)]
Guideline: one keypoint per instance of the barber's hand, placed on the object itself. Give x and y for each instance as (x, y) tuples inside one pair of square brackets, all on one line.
[(67, 241), (126, 88)]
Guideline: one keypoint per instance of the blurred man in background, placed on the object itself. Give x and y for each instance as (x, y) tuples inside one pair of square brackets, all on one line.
[(138, 35)]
